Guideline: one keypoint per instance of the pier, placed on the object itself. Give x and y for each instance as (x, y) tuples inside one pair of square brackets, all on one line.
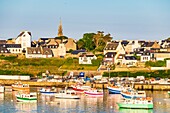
[(163, 87)]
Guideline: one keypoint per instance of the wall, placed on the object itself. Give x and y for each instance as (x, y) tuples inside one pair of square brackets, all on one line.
[(14, 77)]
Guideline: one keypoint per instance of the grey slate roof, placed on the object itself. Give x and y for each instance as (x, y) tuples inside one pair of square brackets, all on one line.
[(10, 45), (112, 46)]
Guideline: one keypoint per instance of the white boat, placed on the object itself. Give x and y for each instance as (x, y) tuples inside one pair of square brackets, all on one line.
[(48, 91), (67, 94), (26, 97), (133, 94), (143, 103), (2, 89)]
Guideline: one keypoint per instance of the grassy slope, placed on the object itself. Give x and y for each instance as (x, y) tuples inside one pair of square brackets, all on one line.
[(14, 65)]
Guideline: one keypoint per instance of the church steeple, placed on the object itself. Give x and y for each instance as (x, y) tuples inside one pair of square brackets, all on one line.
[(60, 29)]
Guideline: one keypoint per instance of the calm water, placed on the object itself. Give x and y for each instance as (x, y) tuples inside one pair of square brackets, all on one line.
[(105, 104)]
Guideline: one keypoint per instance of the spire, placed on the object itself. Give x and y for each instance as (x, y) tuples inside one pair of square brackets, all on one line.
[(60, 29)]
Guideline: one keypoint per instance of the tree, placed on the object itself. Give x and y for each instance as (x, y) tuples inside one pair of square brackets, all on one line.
[(97, 37), (80, 44), (86, 42), (101, 40)]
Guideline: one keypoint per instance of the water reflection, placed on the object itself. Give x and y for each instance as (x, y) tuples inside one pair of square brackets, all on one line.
[(26, 107), (1, 96), (123, 110), (86, 104)]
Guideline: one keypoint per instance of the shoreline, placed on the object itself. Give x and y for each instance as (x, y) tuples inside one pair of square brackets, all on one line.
[(152, 87)]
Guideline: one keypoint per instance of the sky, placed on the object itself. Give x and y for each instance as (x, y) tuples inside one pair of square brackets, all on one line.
[(123, 19)]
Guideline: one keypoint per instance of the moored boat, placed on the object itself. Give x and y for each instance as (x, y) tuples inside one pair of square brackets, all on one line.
[(94, 92), (133, 94), (19, 86), (114, 89), (142, 103), (26, 97), (80, 88), (48, 91), (67, 94)]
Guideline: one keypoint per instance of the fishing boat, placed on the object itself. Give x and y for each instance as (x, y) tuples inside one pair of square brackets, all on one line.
[(80, 88), (48, 91), (133, 94), (114, 89), (143, 103), (26, 97), (2, 89), (67, 94), (94, 92), (19, 86)]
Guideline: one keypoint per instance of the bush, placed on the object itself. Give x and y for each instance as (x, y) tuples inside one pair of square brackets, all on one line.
[(154, 74)]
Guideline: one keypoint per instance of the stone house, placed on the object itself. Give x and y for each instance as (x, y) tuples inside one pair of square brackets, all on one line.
[(38, 52)]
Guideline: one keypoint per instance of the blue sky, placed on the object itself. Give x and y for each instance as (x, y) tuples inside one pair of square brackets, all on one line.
[(123, 19)]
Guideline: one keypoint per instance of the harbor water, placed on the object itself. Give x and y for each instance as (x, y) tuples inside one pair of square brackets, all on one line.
[(86, 104)]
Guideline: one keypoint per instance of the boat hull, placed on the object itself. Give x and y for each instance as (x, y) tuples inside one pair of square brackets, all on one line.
[(114, 90), (19, 99), (93, 94), (47, 92), (143, 106)]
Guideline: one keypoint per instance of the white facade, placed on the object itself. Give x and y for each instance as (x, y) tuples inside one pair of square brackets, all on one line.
[(24, 39), (145, 58), (37, 56), (86, 59), (15, 50)]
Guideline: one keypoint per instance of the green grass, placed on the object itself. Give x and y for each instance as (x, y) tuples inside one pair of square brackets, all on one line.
[(35, 66)]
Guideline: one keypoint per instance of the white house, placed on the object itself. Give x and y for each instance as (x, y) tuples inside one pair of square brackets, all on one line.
[(113, 47), (145, 56), (12, 48), (129, 61), (86, 59), (24, 38)]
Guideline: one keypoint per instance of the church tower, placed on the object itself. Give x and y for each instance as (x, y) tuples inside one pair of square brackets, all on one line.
[(60, 29)]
